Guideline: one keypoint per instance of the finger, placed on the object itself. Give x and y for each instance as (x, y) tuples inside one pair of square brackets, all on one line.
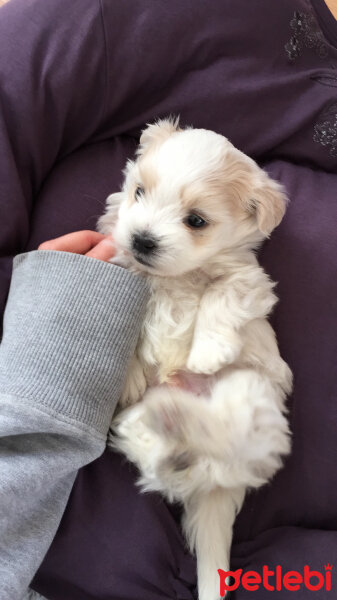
[(79, 242), (103, 251)]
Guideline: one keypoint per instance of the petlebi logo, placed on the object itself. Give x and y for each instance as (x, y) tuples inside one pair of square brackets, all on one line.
[(276, 579)]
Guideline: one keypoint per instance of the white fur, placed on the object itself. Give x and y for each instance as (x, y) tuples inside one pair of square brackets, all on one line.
[(222, 429)]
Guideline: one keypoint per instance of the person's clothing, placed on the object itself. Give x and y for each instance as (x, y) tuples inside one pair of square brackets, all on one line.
[(70, 327), (78, 82)]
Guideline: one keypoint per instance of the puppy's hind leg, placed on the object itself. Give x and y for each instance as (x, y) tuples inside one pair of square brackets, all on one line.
[(208, 525)]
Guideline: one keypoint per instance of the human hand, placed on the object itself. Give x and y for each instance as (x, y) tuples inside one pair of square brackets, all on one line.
[(89, 243)]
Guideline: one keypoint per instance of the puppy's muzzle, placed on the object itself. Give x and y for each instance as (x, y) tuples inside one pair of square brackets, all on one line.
[(143, 243)]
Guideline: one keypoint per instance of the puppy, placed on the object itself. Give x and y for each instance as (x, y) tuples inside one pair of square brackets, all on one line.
[(211, 422)]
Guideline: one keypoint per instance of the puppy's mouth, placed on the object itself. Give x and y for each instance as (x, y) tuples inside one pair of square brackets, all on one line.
[(142, 260)]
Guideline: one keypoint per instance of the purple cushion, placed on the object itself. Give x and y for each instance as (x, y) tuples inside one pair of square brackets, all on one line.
[(116, 543), (78, 81)]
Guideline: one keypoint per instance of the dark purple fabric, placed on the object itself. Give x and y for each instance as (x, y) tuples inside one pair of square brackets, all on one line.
[(115, 543), (78, 81)]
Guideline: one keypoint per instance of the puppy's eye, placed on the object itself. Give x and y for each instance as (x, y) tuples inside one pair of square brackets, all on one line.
[(195, 221), (139, 191)]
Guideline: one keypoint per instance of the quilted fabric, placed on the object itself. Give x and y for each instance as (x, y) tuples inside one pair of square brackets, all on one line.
[(79, 80)]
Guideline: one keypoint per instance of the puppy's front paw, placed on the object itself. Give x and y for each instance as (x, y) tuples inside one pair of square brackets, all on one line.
[(209, 354)]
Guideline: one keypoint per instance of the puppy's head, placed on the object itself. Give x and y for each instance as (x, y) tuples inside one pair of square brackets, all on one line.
[(188, 197)]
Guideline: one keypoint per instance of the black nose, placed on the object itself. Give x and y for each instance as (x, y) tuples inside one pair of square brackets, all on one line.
[(143, 243)]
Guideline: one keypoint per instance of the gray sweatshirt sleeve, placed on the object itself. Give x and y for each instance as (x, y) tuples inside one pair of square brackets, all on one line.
[(70, 327)]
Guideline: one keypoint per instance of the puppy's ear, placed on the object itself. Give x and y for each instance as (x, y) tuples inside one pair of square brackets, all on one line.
[(158, 132), (254, 191), (106, 223), (267, 200)]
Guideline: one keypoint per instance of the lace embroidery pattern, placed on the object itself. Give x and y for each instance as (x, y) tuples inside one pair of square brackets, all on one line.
[(325, 130), (305, 33)]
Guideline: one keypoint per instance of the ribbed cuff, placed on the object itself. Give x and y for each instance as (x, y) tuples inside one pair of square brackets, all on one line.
[(71, 324)]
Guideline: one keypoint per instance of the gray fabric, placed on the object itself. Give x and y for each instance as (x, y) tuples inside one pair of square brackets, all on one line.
[(70, 326), (31, 595)]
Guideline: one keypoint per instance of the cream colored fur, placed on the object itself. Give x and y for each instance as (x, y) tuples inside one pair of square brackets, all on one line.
[(211, 422)]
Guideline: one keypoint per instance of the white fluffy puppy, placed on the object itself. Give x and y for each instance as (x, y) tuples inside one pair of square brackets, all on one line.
[(211, 422)]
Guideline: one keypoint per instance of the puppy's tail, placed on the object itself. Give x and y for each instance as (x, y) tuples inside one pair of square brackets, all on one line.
[(208, 525)]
